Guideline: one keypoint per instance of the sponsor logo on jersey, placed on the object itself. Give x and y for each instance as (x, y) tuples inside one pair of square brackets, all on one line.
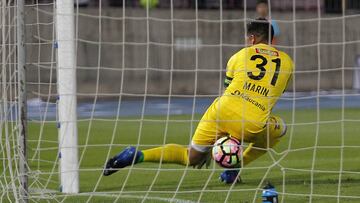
[(267, 52), (249, 99)]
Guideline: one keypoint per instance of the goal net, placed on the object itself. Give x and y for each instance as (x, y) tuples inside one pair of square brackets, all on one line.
[(146, 71)]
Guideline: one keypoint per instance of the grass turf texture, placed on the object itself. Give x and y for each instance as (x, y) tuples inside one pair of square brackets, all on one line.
[(295, 180)]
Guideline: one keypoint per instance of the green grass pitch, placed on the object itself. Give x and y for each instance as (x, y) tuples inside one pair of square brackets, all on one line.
[(292, 175)]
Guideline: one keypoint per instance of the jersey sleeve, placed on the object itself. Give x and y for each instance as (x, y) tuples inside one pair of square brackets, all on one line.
[(290, 63), (229, 71), (233, 65)]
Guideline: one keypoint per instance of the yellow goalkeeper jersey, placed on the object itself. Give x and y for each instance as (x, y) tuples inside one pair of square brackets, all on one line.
[(256, 77)]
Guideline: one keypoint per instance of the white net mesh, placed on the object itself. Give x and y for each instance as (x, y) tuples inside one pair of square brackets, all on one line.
[(145, 76)]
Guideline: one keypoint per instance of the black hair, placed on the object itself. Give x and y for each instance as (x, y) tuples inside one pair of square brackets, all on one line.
[(260, 28), (262, 2)]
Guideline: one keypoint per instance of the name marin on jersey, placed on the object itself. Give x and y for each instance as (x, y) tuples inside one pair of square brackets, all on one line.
[(256, 88)]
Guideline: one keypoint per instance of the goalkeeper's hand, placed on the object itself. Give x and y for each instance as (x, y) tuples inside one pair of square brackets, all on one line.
[(206, 161)]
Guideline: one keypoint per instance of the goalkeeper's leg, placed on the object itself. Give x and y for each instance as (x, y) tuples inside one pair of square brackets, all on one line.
[(261, 142), (170, 153), (174, 153)]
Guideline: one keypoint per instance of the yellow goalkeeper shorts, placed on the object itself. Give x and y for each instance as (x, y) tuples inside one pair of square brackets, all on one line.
[(218, 122)]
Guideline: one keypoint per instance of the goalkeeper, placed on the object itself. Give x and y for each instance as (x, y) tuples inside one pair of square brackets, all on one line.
[(256, 77)]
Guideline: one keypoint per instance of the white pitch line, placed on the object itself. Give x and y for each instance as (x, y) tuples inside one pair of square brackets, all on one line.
[(142, 197), (159, 198), (163, 199)]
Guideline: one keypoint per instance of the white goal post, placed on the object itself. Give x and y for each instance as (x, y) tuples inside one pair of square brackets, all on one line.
[(66, 82)]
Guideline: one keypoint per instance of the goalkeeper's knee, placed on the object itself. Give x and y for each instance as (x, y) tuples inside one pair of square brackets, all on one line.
[(276, 129), (271, 135)]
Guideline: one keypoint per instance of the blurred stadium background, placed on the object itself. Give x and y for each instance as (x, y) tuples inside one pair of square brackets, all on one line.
[(314, 41)]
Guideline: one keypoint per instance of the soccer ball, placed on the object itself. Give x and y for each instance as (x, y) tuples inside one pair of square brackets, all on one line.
[(227, 152)]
